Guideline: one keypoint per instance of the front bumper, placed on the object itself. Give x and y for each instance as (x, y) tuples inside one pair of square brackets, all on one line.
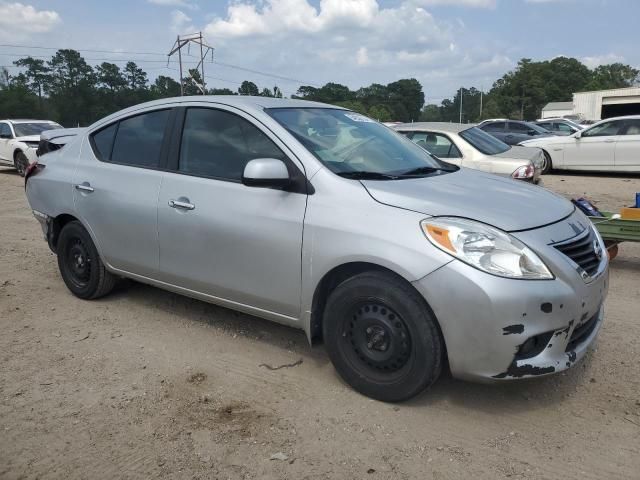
[(31, 154), (498, 329)]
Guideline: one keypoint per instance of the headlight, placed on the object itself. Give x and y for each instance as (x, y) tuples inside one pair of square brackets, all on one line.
[(32, 144), (485, 248)]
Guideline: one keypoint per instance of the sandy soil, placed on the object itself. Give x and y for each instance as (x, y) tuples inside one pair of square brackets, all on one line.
[(146, 384)]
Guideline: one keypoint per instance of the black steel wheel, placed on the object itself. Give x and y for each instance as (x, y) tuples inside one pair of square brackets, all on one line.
[(80, 265), (21, 162), (382, 337)]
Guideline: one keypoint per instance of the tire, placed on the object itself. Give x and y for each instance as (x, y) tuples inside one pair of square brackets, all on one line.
[(548, 165), (80, 266), (382, 337), (21, 162)]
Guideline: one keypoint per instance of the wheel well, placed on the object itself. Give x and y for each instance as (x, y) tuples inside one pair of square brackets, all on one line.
[(15, 153), (329, 282), (56, 227)]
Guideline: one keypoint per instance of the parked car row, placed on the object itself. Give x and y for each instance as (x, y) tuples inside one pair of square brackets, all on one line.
[(318, 217)]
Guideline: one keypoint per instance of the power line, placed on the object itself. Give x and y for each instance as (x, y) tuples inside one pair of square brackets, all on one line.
[(83, 50)]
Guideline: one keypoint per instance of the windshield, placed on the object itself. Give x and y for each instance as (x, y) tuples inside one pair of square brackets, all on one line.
[(352, 145), (481, 140), (28, 129)]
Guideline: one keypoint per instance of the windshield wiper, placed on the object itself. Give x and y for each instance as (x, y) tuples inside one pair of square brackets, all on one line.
[(365, 175), (424, 171)]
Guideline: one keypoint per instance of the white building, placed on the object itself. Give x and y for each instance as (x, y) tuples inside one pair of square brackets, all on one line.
[(557, 109), (602, 104)]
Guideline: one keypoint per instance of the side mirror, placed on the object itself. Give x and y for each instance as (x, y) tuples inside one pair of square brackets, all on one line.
[(578, 134), (532, 133), (266, 173)]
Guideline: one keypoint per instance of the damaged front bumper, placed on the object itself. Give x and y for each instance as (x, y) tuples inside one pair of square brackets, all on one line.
[(499, 329)]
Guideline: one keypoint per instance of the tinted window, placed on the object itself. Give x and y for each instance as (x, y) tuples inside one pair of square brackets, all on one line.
[(632, 127), (485, 143), (139, 139), (519, 127), (562, 127), (103, 141), (604, 129), (494, 127), (437, 144), (219, 144)]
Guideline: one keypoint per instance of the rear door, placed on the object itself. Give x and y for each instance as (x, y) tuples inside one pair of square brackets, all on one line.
[(116, 189), (595, 149), (517, 132), (439, 145), (497, 129), (224, 239), (627, 156)]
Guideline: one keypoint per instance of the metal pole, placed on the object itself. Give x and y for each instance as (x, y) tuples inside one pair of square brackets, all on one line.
[(204, 83), (460, 105), (180, 61), (481, 103)]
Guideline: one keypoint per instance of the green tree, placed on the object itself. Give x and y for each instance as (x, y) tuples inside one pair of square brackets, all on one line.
[(614, 75), (406, 99), (266, 93), (109, 77), (165, 87), (135, 77), (221, 91), (248, 88), (36, 73)]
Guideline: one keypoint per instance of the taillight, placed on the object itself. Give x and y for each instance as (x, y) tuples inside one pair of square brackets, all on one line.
[(32, 170), (525, 171)]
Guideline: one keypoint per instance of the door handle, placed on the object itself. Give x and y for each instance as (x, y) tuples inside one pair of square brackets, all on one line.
[(85, 187), (183, 205)]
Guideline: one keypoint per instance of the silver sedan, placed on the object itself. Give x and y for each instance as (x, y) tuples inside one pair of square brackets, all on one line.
[(319, 218)]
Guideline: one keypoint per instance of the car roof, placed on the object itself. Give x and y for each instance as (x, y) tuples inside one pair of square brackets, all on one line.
[(27, 120), (435, 126), (245, 102)]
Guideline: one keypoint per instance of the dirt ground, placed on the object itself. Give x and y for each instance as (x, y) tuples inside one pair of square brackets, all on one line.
[(148, 384)]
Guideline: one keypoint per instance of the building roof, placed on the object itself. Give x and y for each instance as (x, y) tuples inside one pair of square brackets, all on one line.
[(558, 106), (435, 126)]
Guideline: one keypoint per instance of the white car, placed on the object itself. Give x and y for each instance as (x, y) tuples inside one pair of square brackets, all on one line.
[(611, 145), (19, 140), (468, 146)]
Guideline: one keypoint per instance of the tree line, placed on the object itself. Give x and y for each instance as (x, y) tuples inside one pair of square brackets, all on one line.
[(524, 91), (70, 91)]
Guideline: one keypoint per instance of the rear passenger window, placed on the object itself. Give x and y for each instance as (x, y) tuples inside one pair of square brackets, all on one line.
[(493, 127), (139, 139), (103, 141), (219, 144)]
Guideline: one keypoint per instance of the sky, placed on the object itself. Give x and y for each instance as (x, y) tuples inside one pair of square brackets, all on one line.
[(445, 44)]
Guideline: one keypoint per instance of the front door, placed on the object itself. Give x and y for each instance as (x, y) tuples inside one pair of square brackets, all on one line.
[(116, 190), (6, 135), (220, 237), (628, 147)]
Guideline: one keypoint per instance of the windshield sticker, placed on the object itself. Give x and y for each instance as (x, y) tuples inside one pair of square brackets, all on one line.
[(356, 117)]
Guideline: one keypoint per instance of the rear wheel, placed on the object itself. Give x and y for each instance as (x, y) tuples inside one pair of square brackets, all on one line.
[(382, 337), (21, 162), (547, 165), (79, 262)]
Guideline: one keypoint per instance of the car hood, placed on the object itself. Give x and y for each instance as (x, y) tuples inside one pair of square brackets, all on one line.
[(29, 138), (508, 204)]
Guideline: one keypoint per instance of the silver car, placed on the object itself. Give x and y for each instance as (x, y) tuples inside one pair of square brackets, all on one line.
[(468, 146), (322, 219)]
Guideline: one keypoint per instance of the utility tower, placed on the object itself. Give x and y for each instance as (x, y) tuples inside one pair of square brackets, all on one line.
[(186, 41)]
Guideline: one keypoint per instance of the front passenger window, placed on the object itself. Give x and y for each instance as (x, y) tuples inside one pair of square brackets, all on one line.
[(603, 130), (219, 144)]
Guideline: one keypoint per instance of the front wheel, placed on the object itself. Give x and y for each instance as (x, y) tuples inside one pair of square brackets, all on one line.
[(382, 337), (21, 162), (79, 262), (547, 164)]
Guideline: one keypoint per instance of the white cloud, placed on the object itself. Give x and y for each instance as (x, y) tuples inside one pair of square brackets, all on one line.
[(597, 60), (19, 21), (181, 22)]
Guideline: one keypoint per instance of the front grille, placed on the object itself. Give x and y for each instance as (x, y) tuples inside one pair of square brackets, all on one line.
[(583, 252), (581, 332)]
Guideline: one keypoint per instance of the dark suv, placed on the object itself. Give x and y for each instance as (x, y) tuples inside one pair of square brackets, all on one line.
[(513, 132)]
